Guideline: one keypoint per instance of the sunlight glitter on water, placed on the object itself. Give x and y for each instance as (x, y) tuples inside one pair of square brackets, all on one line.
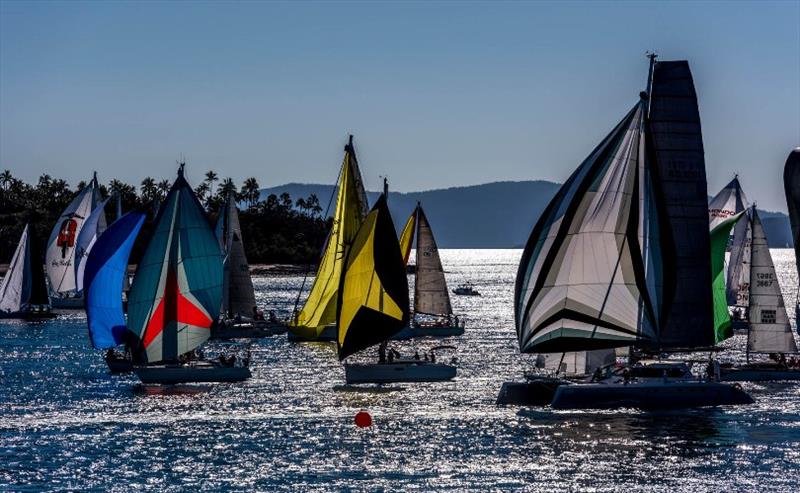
[(66, 424)]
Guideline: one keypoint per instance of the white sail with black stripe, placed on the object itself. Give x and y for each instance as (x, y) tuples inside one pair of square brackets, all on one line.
[(591, 274), (770, 330)]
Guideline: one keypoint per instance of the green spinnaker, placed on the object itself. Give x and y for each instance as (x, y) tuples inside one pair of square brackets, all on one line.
[(719, 244)]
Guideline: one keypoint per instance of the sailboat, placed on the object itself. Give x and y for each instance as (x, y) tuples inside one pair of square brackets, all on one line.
[(23, 291), (373, 304), (105, 275), (620, 257), (91, 230), (769, 330), (60, 259), (791, 184), (239, 317), (433, 313), (729, 202), (316, 320), (176, 296)]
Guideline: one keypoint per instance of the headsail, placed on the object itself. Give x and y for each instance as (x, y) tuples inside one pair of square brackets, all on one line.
[(791, 184), (238, 295), (407, 236), (105, 275), (677, 146), (591, 275), (430, 288), (15, 289), (719, 243), (727, 203), (177, 292), (351, 207), (61, 247), (373, 297), (92, 228), (770, 331)]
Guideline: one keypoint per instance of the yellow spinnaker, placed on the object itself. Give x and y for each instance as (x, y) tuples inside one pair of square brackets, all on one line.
[(407, 237), (351, 208)]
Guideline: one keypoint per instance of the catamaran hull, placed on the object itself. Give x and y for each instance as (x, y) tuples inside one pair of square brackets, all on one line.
[(415, 332), (399, 372), (329, 334), (757, 375), (660, 395), (249, 331), (190, 374), (539, 392)]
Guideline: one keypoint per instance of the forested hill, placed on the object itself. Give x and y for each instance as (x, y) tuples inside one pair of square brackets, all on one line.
[(492, 215)]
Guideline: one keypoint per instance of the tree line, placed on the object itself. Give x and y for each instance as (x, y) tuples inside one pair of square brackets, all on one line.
[(277, 229)]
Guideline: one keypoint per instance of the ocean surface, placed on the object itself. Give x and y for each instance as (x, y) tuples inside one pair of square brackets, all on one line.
[(67, 425)]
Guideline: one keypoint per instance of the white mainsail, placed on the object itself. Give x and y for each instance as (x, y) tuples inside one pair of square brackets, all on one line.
[(60, 256), (92, 228), (14, 290), (430, 287), (770, 331)]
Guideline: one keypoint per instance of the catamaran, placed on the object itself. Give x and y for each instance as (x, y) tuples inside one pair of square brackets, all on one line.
[(23, 291), (239, 317), (769, 329), (176, 296), (791, 184), (620, 257), (433, 313), (316, 320), (104, 279), (729, 202), (374, 306), (61, 260)]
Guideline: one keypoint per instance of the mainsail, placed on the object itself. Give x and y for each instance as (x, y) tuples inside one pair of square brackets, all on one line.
[(91, 230), (719, 243), (677, 146), (407, 236), (61, 247), (791, 184), (351, 208), (579, 362), (727, 203), (591, 275), (430, 288), (177, 292), (373, 297), (104, 276), (770, 331), (15, 290), (238, 295)]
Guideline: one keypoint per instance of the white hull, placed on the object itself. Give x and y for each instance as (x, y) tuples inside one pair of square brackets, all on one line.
[(648, 394), (430, 331), (329, 334), (196, 373), (416, 371)]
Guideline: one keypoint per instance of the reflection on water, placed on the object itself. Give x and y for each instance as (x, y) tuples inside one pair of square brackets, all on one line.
[(66, 424)]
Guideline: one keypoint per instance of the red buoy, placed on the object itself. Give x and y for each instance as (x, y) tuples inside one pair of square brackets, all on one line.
[(363, 419)]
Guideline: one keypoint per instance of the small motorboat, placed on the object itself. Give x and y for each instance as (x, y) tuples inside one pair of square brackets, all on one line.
[(466, 289), (198, 371)]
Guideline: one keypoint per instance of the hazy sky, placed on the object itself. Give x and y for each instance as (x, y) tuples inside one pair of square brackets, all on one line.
[(437, 94)]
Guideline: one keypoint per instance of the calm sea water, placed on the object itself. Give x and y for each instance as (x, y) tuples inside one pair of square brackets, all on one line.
[(65, 424)]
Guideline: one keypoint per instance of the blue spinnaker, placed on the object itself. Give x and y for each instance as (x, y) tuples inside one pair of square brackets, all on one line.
[(106, 269)]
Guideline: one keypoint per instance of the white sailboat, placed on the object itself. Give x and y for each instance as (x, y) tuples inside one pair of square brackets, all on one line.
[(791, 184), (620, 257), (769, 330), (23, 293), (433, 313), (60, 259)]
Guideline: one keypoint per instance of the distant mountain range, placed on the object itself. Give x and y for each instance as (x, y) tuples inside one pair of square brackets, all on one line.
[(492, 215)]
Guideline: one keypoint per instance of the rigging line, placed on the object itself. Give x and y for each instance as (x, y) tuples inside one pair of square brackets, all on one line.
[(305, 274)]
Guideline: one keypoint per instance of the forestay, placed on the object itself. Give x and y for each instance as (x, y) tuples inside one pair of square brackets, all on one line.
[(430, 287), (351, 208), (770, 331), (177, 292), (373, 298), (105, 275)]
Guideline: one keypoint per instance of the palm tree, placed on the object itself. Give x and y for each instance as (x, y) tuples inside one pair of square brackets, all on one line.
[(201, 191), (6, 179), (225, 187), (251, 191), (211, 177), (148, 190), (163, 188)]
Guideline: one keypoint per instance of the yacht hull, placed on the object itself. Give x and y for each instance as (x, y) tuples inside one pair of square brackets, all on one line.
[(758, 375), (648, 395), (71, 303), (536, 392), (416, 371), (204, 373), (119, 366)]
